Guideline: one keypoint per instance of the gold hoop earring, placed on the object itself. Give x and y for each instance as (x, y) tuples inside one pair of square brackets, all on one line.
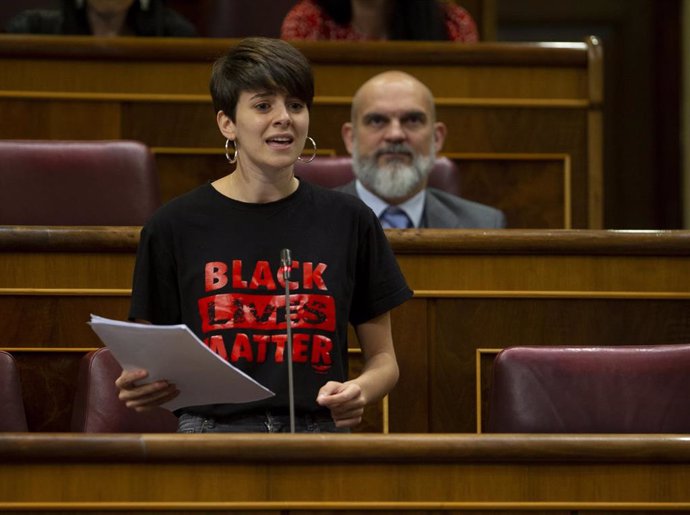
[(232, 160), (313, 154)]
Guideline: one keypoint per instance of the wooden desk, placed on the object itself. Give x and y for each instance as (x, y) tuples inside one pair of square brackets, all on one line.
[(473, 290), (525, 119), (286, 474)]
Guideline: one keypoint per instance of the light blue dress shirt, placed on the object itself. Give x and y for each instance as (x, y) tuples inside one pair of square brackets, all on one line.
[(413, 207)]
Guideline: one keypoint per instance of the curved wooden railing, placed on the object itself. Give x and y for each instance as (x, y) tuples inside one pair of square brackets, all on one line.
[(357, 473), (408, 241), (173, 49)]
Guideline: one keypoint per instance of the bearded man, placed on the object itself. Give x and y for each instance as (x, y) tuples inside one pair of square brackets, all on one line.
[(393, 137)]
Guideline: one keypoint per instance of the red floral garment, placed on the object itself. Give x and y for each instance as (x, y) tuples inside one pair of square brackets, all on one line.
[(306, 20)]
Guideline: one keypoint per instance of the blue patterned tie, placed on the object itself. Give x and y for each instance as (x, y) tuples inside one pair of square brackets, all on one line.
[(395, 218)]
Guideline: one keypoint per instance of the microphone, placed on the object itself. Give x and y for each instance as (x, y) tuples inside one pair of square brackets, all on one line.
[(286, 265)]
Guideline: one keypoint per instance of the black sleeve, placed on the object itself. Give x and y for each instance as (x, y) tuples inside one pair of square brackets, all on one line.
[(379, 284), (155, 292)]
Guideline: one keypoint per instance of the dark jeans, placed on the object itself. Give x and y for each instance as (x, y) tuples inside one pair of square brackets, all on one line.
[(267, 422)]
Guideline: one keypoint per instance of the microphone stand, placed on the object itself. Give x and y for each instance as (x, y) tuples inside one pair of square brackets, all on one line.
[(286, 265)]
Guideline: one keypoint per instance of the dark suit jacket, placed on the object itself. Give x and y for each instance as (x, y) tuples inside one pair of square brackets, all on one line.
[(443, 210)]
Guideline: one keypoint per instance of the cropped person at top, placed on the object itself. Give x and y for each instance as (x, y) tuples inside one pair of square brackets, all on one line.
[(411, 20), (393, 136), (211, 259), (104, 18)]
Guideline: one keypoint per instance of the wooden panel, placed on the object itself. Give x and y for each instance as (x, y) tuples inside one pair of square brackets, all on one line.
[(50, 119), (534, 191), (67, 270), (414, 338), (496, 98), (28, 319), (168, 66), (180, 173), (111, 75), (172, 124), (423, 474)]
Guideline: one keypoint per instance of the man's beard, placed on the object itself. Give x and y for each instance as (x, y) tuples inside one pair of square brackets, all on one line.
[(394, 179)]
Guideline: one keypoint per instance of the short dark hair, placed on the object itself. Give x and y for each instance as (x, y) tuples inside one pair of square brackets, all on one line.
[(260, 64)]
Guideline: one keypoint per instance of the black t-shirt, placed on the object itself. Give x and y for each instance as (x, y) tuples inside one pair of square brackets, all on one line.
[(213, 263)]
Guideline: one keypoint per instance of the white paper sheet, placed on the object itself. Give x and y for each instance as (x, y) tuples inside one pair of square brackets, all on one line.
[(174, 353)]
